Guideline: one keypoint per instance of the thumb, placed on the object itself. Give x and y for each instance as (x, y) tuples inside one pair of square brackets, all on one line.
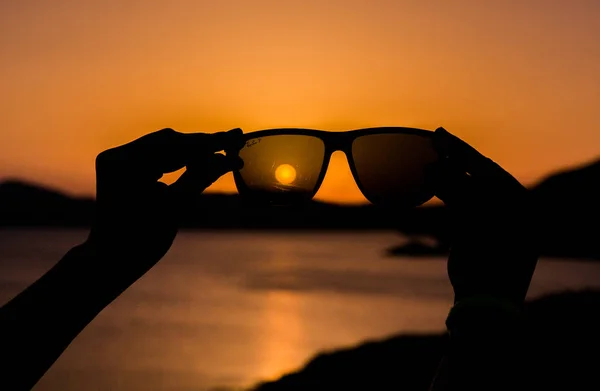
[(200, 174)]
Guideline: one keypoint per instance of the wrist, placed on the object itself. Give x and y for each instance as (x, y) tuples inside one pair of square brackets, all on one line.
[(487, 342)]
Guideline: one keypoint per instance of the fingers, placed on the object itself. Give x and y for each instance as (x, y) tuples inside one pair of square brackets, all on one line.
[(469, 160), (199, 175), (488, 178), (454, 186), (152, 155)]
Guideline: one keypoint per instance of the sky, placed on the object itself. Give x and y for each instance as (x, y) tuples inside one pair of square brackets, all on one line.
[(518, 80)]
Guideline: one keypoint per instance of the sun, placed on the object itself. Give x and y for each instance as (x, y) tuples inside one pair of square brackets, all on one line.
[(285, 174)]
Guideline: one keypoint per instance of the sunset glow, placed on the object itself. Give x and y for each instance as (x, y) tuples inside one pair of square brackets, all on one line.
[(518, 80)]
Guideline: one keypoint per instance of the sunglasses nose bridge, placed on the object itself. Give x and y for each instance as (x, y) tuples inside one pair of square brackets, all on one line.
[(339, 142)]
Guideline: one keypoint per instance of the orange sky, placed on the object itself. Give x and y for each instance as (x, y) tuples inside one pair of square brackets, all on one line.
[(520, 80)]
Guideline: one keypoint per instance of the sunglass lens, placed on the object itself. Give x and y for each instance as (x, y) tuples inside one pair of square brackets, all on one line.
[(394, 168), (281, 168)]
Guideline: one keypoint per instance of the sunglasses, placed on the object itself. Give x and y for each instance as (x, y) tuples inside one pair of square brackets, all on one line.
[(391, 165)]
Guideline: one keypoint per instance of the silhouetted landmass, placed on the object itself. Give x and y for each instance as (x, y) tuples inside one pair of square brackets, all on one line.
[(25, 204), (569, 205), (417, 248), (564, 341), (567, 202)]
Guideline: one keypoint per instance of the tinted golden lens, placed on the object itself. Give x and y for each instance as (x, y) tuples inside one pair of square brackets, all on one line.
[(282, 165)]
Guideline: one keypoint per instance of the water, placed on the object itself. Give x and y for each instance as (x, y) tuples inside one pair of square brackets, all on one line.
[(231, 309)]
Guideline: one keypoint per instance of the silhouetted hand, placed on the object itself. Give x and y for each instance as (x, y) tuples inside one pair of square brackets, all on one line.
[(492, 258), (493, 247), (136, 219)]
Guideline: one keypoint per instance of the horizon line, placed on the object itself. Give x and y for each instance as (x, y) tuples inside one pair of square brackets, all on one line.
[(73, 195)]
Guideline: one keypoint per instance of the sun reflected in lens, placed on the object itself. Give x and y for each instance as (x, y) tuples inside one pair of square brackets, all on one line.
[(285, 174)]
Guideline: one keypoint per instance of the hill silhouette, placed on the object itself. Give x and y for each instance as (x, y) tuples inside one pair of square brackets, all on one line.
[(27, 204), (567, 201), (563, 342), (569, 209)]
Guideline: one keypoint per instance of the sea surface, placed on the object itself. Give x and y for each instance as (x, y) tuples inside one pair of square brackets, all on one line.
[(228, 309)]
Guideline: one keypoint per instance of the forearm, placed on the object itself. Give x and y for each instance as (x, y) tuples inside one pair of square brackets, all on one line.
[(38, 324)]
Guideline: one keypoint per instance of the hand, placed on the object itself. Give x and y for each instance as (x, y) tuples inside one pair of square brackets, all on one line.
[(493, 247), (136, 216)]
